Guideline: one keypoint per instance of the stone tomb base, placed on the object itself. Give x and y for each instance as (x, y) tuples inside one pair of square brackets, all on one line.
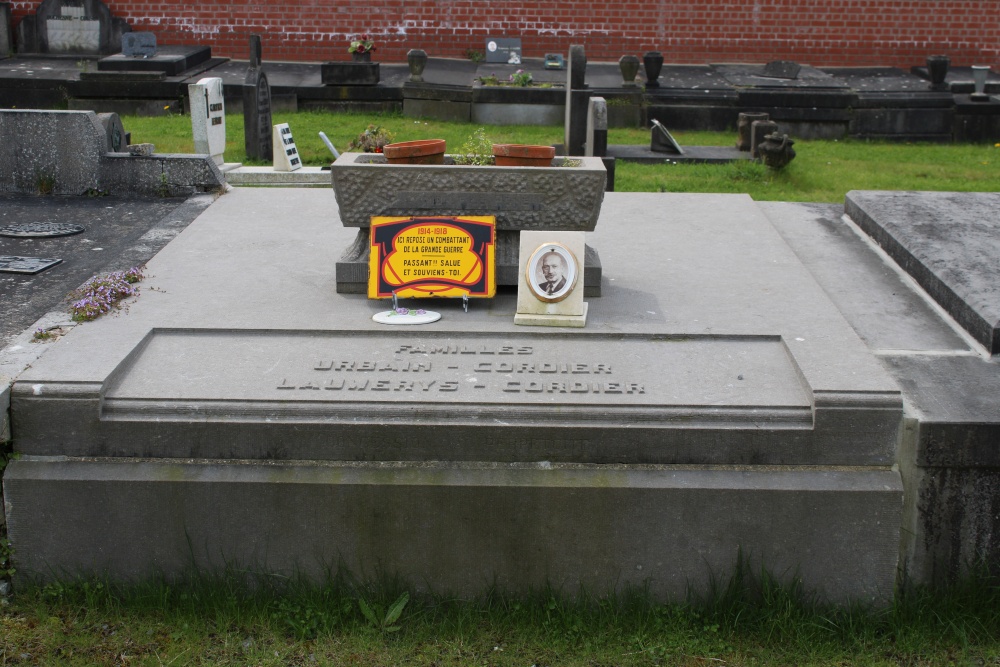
[(244, 412)]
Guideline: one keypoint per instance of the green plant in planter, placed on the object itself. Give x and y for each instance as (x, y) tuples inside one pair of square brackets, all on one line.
[(372, 140), (521, 78), (489, 80), (477, 149)]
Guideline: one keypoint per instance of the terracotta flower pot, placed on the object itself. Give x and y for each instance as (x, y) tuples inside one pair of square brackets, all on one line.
[(523, 155), (423, 151)]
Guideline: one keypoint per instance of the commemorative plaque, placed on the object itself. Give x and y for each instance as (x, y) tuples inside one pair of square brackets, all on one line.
[(432, 256)]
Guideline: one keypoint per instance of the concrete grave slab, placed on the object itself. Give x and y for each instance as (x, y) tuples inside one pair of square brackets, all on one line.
[(949, 242), (947, 454), (876, 299), (753, 399), (170, 59)]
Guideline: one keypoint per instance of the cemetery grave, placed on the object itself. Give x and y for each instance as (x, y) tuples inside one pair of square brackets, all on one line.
[(726, 390)]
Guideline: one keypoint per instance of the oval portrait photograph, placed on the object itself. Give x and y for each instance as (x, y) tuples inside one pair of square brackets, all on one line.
[(551, 272)]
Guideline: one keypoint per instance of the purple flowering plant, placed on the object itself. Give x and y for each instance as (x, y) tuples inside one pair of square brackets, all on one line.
[(101, 294)]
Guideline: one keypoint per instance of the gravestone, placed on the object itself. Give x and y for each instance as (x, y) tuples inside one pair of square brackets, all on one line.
[(503, 50), (597, 127), (257, 106), (758, 130), (576, 101), (661, 141), (286, 155), (208, 117), (139, 44), (718, 401), (118, 139), (71, 27), (743, 125), (6, 35)]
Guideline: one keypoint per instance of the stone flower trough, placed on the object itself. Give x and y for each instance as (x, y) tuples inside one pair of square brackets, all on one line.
[(566, 197)]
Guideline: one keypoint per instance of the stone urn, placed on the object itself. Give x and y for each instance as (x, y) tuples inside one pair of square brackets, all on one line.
[(937, 70), (776, 150), (979, 76), (417, 61), (365, 57), (422, 151), (652, 62), (629, 65)]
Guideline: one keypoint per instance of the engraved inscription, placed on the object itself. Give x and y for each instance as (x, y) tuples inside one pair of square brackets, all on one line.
[(505, 375)]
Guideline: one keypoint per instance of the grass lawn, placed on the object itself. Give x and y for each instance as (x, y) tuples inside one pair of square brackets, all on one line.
[(747, 621), (823, 171)]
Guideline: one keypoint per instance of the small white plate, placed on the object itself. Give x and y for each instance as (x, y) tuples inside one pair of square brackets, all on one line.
[(406, 316)]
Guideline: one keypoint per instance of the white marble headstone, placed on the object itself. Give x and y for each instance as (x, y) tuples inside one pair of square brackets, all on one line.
[(71, 32), (286, 155), (208, 117)]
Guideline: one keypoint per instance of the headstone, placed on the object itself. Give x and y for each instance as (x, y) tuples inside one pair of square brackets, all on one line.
[(503, 50), (257, 107), (117, 138), (139, 44), (71, 27), (286, 155), (71, 32), (576, 101), (758, 130), (6, 34), (597, 127), (661, 141), (554, 61), (781, 69), (743, 129), (577, 75), (208, 117)]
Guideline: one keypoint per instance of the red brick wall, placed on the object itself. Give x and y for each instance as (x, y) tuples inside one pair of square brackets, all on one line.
[(817, 32)]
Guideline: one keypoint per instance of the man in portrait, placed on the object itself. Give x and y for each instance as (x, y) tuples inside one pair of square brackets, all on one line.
[(553, 268)]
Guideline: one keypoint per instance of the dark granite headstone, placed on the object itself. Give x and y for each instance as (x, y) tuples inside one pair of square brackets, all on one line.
[(71, 27), (257, 107), (577, 101), (139, 44), (781, 69), (662, 141), (117, 139), (6, 35), (503, 50)]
